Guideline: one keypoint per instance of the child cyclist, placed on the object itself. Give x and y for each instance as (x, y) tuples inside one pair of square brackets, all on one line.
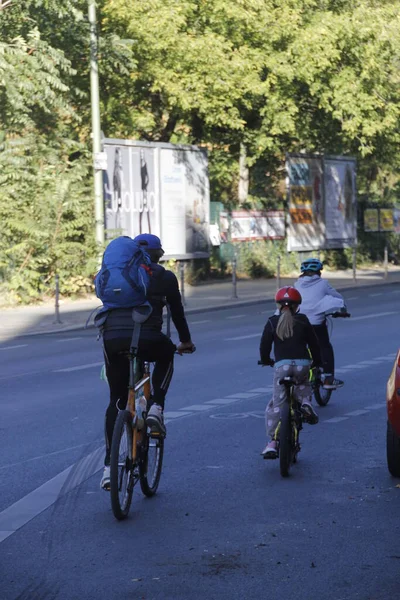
[(320, 298), (292, 335)]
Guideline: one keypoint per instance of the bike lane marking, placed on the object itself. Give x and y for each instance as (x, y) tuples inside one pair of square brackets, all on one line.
[(27, 508)]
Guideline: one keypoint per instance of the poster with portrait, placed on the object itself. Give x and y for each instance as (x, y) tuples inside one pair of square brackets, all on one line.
[(161, 189), (340, 202)]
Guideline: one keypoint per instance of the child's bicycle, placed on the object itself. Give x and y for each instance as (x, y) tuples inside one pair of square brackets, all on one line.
[(321, 395), (136, 450), (287, 433)]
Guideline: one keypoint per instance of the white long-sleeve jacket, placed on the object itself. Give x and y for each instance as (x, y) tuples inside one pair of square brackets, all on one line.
[(318, 298)]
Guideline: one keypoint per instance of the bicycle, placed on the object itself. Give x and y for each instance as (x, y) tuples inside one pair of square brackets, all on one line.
[(287, 433), (133, 444), (321, 395)]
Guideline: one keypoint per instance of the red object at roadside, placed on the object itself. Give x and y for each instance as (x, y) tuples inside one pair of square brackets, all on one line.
[(393, 396)]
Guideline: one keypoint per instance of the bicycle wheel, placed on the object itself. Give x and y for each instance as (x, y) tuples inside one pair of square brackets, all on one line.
[(150, 464), (121, 466), (286, 449), (321, 396)]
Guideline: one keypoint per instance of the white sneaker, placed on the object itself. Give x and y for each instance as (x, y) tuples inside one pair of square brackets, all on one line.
[(105, 480), (155, 419)]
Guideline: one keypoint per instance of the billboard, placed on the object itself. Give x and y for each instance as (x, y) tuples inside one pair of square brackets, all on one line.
[(252, 225), (305, 199), (371, 219), (340, 202), (322, 202), (161, 189)]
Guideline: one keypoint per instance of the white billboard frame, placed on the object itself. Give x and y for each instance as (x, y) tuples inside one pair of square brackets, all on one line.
[(160, 188), (322, 202)]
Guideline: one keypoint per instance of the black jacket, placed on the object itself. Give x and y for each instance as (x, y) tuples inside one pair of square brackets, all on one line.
[(163, 289), (295, 347)]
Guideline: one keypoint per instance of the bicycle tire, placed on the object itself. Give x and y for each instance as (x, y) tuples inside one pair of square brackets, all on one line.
[(286, 448), (121, 476), (321, 396), (150, 476)]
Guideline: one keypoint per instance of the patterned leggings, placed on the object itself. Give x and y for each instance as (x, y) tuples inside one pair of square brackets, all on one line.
[(302, 392)]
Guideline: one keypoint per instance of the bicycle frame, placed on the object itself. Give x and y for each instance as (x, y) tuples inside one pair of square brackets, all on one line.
[(138, 378), (294, 411)]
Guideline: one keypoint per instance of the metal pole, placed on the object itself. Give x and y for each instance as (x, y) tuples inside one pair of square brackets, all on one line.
[(182, 278), (96, 130), (354, 265), (57, 302), (278, 272), (234, 278), (385, 262)]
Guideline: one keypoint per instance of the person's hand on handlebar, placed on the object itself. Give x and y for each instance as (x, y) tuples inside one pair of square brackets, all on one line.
[(269, 362), (186, 348)]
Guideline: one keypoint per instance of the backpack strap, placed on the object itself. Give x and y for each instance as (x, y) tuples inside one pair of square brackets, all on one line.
[(139, 316)]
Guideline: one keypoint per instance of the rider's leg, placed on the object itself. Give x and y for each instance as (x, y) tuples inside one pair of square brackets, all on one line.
[(328, 357), (117, 371), (273, 410), (303, 392), (158, 348)]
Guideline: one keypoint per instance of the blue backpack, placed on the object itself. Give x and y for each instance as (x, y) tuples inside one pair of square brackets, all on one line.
[(124, 277)]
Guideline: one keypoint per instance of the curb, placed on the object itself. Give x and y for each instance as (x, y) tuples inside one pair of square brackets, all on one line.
[(205, 309)]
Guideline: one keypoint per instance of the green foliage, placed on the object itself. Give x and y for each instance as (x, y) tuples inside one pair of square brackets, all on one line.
[(272, 75)]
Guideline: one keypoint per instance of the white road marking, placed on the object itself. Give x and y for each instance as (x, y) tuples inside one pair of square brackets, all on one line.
[(243, 395), (200, 322), (79, 368), (172, 414), (197, 407), (222, 401), (69, 339), (243, 337), (335, 420), (14, 347), (22, 462), (357, 413), (378, 294), (22, 374), (373, 316), (395, 292), (27, 508), (376, 406), (236, 317), (262, 390)]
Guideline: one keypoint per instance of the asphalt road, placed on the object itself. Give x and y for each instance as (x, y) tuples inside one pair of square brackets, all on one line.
[(224, 524)]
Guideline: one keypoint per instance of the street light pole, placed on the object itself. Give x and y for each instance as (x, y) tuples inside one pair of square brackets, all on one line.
[(96, 129)]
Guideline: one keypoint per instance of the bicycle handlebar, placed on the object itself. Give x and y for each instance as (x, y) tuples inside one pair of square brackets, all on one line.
[(338, 315), (270, 364)]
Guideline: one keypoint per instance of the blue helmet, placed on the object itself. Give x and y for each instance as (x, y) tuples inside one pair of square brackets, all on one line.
[(311, 264), (149, 241)]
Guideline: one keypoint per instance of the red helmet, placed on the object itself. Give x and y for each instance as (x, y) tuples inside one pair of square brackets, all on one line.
[(287, 296)]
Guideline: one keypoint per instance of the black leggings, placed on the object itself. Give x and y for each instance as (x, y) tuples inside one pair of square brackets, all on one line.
[(156, 348), (327, 355)]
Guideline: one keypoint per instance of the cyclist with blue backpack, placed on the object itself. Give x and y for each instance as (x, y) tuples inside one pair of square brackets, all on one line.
[(320, 299), (131, 277)]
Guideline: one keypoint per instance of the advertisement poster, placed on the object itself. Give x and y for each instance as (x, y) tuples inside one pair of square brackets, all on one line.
[(306, 202), (161, 189), (371, 219), (396, 219), (253, 225), (322, 202), (386, 220), (340, 202)]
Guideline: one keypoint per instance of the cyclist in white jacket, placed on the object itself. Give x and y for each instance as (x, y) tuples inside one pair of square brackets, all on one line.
[(320, 298)]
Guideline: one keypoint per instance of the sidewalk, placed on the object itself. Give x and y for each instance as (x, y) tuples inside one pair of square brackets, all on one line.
[(33, 320)]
